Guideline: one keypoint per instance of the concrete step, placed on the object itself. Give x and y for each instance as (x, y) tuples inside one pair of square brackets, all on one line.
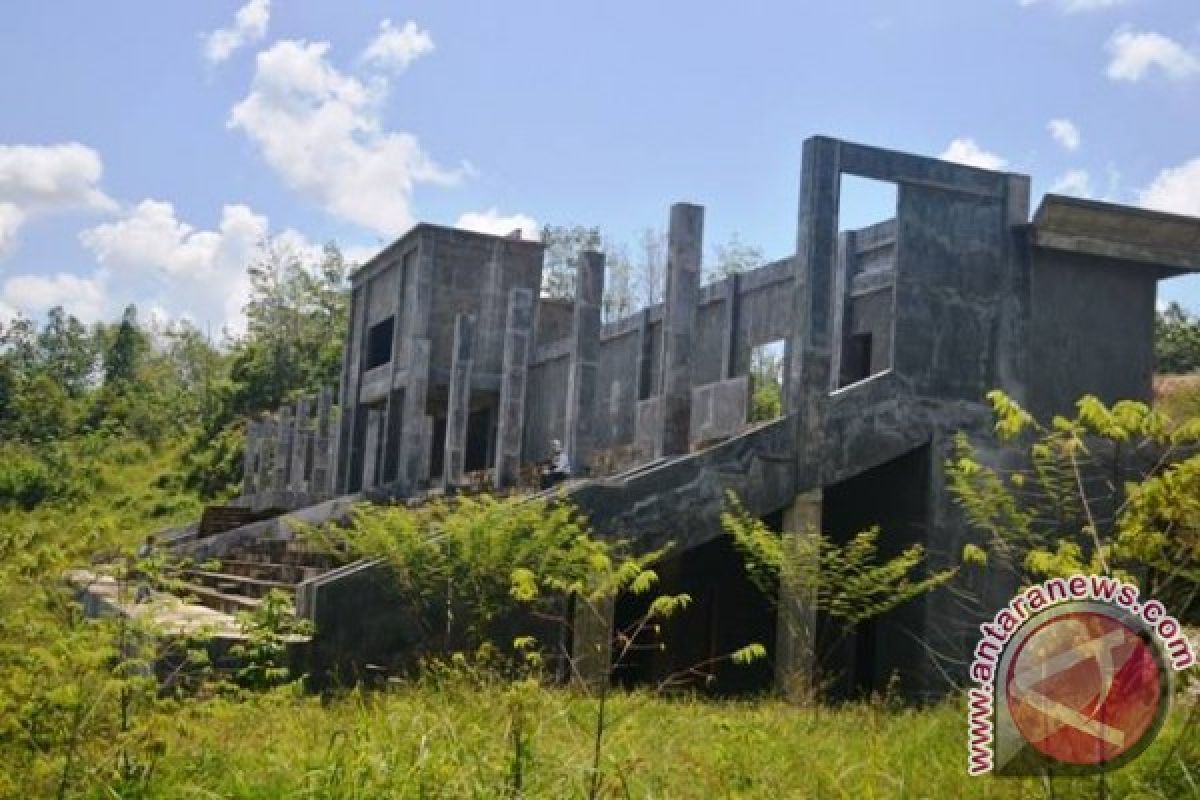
[(237, 584), (216, 599)]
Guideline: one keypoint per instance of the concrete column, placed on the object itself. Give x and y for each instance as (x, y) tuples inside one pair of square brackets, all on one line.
[(283, 449), (370, 477), (580, 423), (489, 351), (592, 641), (644, 357), (425, 453), (413, 438), (249, 458), (356, 337), (266, 449), (296, 482), (730, 325), (322, 445), (458, 405), (685, 243), (510, 428), (795, 656)]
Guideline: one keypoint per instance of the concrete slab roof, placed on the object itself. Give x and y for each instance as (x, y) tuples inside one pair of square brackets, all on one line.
[(1168, 241)]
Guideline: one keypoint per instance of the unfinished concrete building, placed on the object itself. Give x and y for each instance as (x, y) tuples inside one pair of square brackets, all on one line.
[(457, 371)]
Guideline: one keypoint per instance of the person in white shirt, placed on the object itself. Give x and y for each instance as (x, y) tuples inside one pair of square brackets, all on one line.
[(560, 466)]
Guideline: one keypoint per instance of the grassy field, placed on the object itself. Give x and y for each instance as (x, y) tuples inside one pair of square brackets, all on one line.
[(467, 740), (459, 736)]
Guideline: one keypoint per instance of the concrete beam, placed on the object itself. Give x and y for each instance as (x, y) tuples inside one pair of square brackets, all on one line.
[(685, 246), (458, 405), (579, 428), (518, 333)]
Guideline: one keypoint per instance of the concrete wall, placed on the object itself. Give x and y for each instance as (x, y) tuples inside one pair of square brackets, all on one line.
[(1092, 331)]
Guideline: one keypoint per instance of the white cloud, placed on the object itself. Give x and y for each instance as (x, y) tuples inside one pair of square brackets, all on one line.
[(86, 298), (492, 221), (43, 179), (249, 26), (321, 131), (1074, 182), (1136, 54), (1074, 6), (1065, 132), (1175, 189), (198, 273), (7, 313), (966, 151), (395, 48), (149, 236)]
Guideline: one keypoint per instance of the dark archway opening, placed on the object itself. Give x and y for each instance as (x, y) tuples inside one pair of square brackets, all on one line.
[(893, 496), (691, 651)]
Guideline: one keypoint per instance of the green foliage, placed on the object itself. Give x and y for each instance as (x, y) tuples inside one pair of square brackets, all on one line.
[(563, 245), (850, 582), (766, 383), (468, 562), (1176, 340), (1110, 490), (263, 656)]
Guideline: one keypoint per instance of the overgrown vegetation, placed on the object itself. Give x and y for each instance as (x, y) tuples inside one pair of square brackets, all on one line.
[(1113, 490)]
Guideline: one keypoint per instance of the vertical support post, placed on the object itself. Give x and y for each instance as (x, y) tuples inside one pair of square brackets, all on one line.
[(795, 659), (518, 330), (356, 338), (283, 449), (592, 640), (266, 449), (413, 439), (685, 244), (249, 458), (322, 445), (580, 424), (370, 477), (296, 482), (807, 378), (730, 322), (458, 404)]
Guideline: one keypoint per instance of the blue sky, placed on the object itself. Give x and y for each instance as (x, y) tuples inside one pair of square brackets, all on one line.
[(147, 147)]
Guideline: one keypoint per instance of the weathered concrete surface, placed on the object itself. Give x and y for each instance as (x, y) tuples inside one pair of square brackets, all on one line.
[(458, 406), (518, 335), (580, 425), (685, 249)]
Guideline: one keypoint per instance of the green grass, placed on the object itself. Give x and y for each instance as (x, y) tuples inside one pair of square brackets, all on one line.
[(457, 741)]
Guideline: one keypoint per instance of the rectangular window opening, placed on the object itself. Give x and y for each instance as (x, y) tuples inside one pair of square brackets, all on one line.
[(866, 266), (379, 342)]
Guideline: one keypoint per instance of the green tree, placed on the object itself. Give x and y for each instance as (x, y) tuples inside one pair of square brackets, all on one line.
[(1112, 490), (67, 351), (1176, 340), (734, 256), (563, 245), (124, 351)]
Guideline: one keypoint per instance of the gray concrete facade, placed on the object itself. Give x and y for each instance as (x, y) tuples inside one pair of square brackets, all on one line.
[(892, 335)]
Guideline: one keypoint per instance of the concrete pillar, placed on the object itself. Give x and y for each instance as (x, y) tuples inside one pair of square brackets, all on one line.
[(685, 244), (458, 405), (510, 427), (425, 453), (592, 641), (730, 326), (489, 350), (322, 445), (413, 437), (283, 449), (356, 337), (297, 482), (250, 458), (370, 477), (580, 423), (266, 449), (795, 656)]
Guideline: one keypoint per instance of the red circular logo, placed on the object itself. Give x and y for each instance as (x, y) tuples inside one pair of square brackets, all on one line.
[(1083, 688)]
